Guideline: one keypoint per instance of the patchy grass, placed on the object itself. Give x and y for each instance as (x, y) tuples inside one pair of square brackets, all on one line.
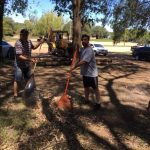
[(102, 40)]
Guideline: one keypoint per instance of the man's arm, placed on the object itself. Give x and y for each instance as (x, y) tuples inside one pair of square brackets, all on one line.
[(24, 58), (38, 44), (78, 64)]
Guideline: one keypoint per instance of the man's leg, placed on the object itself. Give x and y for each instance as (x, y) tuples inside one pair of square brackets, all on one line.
[(97, 95), (26, 74), (86, 92), (86, 87), (15, 89), (17, 78), (97, 104)]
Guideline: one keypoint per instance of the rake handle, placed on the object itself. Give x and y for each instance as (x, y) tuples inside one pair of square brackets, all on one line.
[(37, 62), (73, 60)]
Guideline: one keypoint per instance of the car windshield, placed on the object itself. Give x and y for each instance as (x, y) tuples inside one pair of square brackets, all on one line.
[(98, 45)]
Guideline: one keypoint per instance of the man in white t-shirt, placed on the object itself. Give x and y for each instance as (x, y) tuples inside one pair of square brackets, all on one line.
[(88, 70)]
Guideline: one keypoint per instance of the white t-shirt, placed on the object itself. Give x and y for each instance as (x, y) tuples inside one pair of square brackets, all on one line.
[(88, 69)]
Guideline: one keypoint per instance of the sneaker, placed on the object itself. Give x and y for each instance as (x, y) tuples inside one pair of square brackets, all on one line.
[(97, 106)]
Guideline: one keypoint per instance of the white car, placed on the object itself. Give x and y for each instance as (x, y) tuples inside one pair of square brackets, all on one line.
[(99, 49), (7, 50)]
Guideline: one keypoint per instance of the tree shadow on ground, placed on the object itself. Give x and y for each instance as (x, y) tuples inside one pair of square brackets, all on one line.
[(6, 82), (67, 134), (73, 126), (70, 128), (134, 124), (5, 92)]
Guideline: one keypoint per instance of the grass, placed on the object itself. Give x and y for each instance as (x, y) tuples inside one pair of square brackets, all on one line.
[(14, 38), (15, 121), (102, 40), (10, 38)]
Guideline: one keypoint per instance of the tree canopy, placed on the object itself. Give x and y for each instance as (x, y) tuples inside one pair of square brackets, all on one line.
[(129, 14), (88, 9), (15, 6), (8, 24), (120, 14), (48, 21)]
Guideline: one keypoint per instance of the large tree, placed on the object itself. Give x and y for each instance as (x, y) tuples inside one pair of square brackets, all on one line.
[(99, 32), (48, 21), (82, 12), (121, 14)]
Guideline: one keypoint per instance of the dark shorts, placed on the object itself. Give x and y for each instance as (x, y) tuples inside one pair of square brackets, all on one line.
[(90, 82), (22, 72)]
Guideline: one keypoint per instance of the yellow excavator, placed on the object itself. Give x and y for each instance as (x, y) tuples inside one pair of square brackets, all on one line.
[(58, 42), (59, 48)]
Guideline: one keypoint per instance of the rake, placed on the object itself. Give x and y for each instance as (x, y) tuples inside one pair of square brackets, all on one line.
[(64, 103)]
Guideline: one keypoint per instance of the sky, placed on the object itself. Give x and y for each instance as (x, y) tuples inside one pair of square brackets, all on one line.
[(40, 8)]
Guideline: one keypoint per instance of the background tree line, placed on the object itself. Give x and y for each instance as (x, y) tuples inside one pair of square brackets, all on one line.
[(123, 16), (50, 20)]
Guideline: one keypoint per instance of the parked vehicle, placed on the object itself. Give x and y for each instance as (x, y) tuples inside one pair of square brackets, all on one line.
[(7, 50), (138, 46), (99, 49), (141, 53)]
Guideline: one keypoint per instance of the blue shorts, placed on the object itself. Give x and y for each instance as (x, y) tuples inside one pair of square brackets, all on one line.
[(21, 73)]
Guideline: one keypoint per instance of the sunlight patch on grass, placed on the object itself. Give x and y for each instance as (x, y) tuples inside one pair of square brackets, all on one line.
[(14, 123)]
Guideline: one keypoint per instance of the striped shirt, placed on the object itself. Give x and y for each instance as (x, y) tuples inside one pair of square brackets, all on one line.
[(23, 48)]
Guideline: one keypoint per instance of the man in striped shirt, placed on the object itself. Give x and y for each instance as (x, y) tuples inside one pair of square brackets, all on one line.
[(23, 48)]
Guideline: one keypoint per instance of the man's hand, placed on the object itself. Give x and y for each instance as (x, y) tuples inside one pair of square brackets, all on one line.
[(34, 60), (42, 41), (69, 73), (72, 68)]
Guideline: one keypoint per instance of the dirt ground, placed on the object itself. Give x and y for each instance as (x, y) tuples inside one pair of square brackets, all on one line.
[(122, 123)]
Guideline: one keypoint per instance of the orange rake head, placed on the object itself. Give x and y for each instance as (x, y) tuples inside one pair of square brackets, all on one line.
[(64, 103)]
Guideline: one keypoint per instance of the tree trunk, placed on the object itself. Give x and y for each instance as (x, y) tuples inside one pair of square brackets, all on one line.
[(76, 24), (1, 25)]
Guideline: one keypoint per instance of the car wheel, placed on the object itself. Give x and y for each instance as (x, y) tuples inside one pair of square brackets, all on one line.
[(105, 54)]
